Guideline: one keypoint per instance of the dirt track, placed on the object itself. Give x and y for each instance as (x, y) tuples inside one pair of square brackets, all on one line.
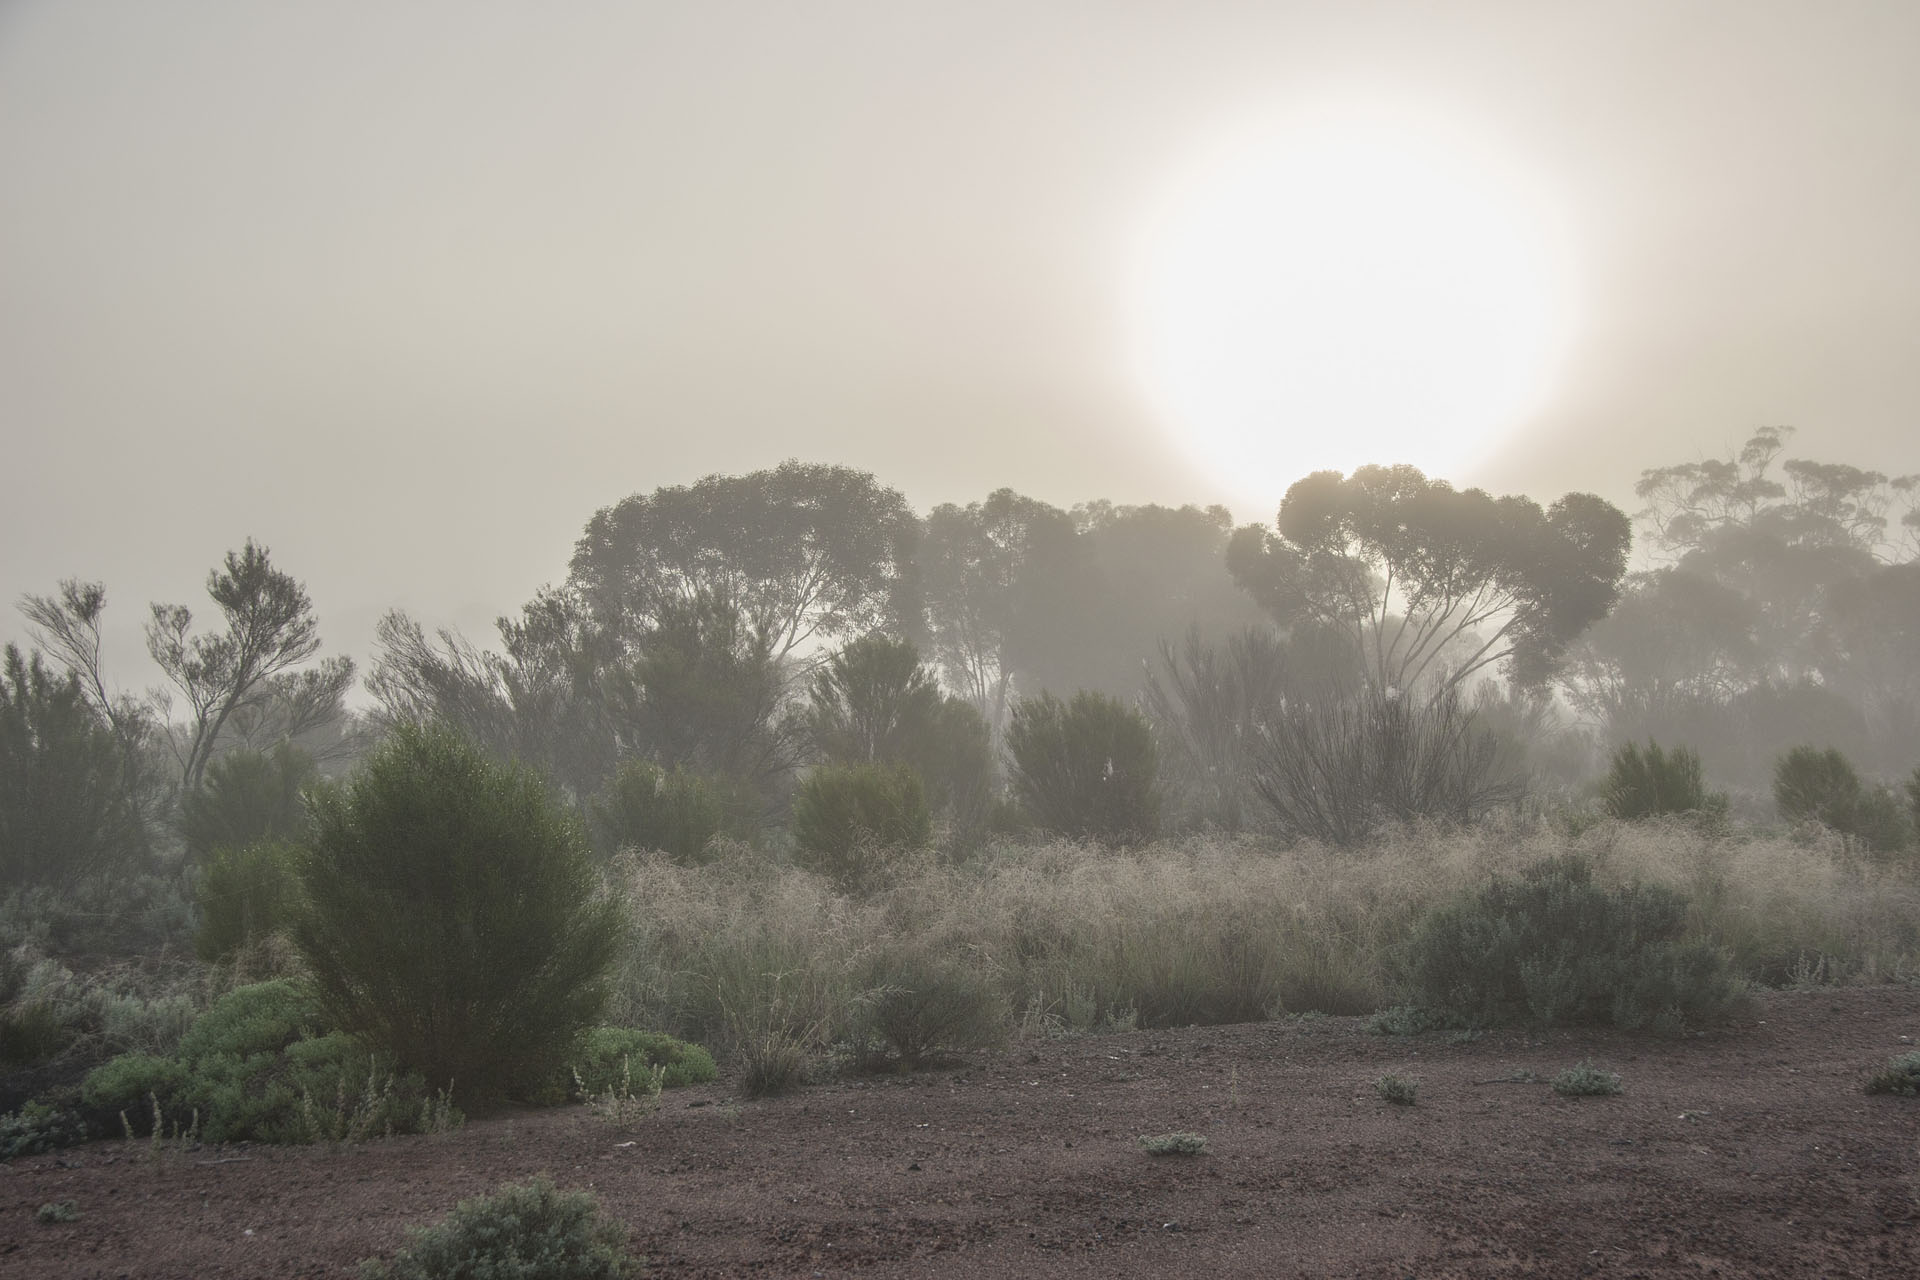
[(1748, 1152)]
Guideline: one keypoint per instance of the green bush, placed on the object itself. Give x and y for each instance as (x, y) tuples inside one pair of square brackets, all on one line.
[(451, 916), (244, 895), (1810, 785), (258, 1066), (525, 1231), (101, 915), (646, 807), (1397, 1089), (918, 1007), (1552, 948), (1647, 784), (248, 797), (38, 1127), (1901, 1076), (609, 1056), (1913, 800), (1173, 1144), (1086, 769), (848, 820)]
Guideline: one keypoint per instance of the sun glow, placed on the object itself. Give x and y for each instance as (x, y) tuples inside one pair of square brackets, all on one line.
[(1342, 286)]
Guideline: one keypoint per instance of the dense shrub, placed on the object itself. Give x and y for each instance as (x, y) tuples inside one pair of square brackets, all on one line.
[(646, 807), (1818, 786), (38, 1127), (1552, 948), (64, 807), (1341, 769), (244, 894), (248, 797), (259, 1065), (525, 1231), (106, 914), (919, 1006), (609, 1056), (450, 916), (1811, 785), (849, 820), (1647, 784), (1913, 800), (1901, 1076), (1087, 769)]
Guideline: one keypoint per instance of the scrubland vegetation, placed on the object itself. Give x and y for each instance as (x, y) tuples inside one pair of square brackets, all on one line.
[(790, 774)]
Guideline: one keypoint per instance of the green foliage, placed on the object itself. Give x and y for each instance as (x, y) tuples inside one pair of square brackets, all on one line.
[(1811, 785), (1397, 1089), (100, 915), (1655, 782), (918, 1006), (248, 797), (451, 916), (1554, 949), (57, 1211), (1087, 769), (64, 809), (647, 807), (1913, 800), (1173, 1144), (258, 1066), (1817, 786), (38, 1127), (32, 1031), (1901, 1076), (524, 1231), (244, 894), (849, 821), (875, 702), (1586, 1081), (610, 1055)]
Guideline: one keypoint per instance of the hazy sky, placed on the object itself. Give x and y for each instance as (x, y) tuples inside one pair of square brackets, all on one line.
[(408, 290)]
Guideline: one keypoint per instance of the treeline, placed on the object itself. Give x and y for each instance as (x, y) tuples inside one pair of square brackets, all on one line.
[(1388, 648)]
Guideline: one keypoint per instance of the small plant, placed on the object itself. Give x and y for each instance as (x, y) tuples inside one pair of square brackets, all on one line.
[(37, 1127), (609, 1055), (618, 1104), (58, 1211), (1586, 1081), (919, 1007), (1901, 1076), (525, 1231), (1396, 1089), (1408, 1020), (1173, 1144)]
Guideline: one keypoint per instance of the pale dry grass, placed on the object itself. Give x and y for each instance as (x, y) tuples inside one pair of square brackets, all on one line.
[(749, 950)]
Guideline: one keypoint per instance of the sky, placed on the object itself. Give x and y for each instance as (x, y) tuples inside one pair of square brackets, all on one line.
[(407, 291)]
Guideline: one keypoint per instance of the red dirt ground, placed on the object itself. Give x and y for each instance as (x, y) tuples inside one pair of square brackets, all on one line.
[(1750, 1151)]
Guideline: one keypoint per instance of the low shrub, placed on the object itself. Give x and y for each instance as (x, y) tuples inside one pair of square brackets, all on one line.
[(1810, 785), (1901, 1076), (1173, 1144), (850, 821), (1651, 783), (1553, 948), (1586, 1081), (524, 1231), (1397, 1089), (38, 1127), (260, 1066), (609, 1056), (674, 812), (919, 1007), (245, 894)]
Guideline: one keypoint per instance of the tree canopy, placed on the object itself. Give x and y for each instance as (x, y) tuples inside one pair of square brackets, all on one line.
[(1434, 583)]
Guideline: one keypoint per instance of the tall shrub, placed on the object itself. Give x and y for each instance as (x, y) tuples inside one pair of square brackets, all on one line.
[(1646, 784), (646, 807), (1821, 786), (1087, 769), (451, 915), (244, 895), (247, 797), (847, 819)]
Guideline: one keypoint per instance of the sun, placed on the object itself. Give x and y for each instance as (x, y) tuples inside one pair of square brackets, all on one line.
[(1343, 285)]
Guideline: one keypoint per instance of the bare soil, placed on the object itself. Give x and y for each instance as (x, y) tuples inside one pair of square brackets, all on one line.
[(1750, 1151)]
